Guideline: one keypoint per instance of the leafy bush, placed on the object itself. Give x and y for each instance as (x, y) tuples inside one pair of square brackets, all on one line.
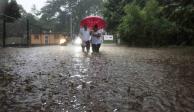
[(152, 23)]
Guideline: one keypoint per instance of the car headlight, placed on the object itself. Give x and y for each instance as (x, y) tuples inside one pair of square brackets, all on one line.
[(78, 41), (62, 41)]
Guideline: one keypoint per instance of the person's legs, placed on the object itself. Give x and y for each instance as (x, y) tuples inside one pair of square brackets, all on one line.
[(98, 47), (93, 48), (88, 46), (83, 46)]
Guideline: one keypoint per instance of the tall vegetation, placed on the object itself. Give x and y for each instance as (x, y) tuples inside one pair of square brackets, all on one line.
[(57, 14), (151, 22), (11, 10)]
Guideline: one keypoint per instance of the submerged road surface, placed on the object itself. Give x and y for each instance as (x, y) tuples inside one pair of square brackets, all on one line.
[(119, 79)]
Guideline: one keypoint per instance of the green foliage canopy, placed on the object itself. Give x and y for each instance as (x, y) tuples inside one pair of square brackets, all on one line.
[(151, 22)]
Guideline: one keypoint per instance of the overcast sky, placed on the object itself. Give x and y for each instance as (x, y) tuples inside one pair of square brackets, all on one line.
[(27, 4)]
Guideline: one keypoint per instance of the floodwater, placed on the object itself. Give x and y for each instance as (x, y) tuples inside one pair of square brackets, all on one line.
[(118, 79)]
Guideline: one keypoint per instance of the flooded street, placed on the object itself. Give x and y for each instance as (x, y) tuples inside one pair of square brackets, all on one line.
[(119, 79)]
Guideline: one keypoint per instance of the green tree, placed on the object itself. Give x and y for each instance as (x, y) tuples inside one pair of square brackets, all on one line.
[(34, 10), (57, 13), (3, 4), (12, 9), (144, 26), (181, 12), (151, 22), (132, 24), (113, 12), (156, 26)]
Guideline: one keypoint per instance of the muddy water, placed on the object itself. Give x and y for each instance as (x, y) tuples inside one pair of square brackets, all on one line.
[(119, 79)]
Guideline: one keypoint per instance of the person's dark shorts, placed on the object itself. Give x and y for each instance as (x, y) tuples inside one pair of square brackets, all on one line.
[(96, 47)]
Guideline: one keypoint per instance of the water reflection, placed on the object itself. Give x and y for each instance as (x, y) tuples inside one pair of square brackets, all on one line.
[(116, 80)]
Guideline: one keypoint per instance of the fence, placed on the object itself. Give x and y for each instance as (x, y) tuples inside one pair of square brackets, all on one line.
[(13, 32), (21, 32), (1, 32)]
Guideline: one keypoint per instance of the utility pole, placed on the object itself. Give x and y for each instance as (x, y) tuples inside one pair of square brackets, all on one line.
[(71, 21), (71, 31), (28, 33), (4, 30)]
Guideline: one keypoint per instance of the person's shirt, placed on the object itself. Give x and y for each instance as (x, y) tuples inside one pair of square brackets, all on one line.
[(85, 34), (95, 39)]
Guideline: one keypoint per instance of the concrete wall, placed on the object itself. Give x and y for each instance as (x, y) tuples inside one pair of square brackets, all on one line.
[(39, 39), (35, 40), (53, 39)]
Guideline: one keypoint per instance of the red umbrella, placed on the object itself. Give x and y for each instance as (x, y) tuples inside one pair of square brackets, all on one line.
[(91, 21)]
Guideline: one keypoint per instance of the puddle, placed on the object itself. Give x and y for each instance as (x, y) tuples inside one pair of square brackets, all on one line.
[(119, 79)]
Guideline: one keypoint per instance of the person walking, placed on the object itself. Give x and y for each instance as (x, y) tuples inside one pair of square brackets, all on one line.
[(85, 37), (96, 39)]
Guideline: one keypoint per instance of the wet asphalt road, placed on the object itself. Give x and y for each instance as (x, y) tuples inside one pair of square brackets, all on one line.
[(119, 79)]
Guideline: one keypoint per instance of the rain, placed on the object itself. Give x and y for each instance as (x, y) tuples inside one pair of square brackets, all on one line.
[(119, 79)]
